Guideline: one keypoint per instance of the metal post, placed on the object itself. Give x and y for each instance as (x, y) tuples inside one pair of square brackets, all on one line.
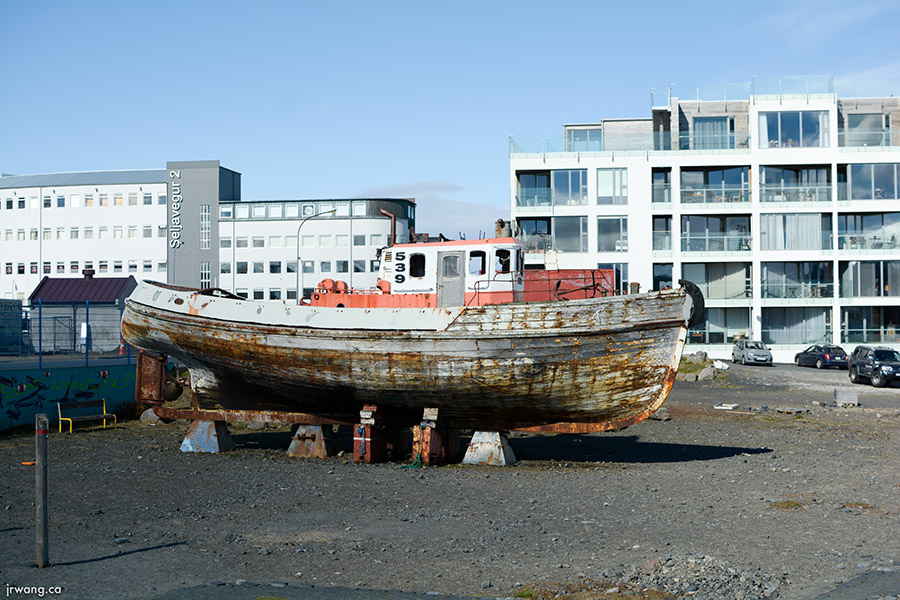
[(87, 330), (299, 264), (41, 435), (40, 334)]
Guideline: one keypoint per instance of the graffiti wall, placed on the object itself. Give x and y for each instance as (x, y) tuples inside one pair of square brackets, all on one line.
[(27, 392)]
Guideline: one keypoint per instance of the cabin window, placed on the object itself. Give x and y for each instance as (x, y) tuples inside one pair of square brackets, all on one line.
[(417, 265), (451, 266), (477, 262), (502, 263)]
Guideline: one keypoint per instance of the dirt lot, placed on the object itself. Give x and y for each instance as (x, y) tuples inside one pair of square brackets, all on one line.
[(803, 501)]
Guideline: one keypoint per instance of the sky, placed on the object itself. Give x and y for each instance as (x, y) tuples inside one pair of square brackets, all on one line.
[(343, 99)]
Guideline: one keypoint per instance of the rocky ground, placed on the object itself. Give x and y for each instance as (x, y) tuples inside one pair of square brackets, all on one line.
[(747, 503)]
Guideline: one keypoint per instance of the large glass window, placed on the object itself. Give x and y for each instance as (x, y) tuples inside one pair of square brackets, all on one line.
[(534, 189), (870, 324), (793, 129), (715, 233), (795, 231), (868, 181), (569, 187), (796, 325), (876, 231), (584, 140), (612, 186), (570, 234), (719, 280), (534, 234), (713, 133), (796, 184), (619, 275), (866, 130), (612, 234), (865, 278), (662, 232), (721, 326), (797, 280), (662, 276), (715, 184)]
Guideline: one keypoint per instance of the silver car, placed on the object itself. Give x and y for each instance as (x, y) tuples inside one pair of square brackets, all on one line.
[(751, 352)]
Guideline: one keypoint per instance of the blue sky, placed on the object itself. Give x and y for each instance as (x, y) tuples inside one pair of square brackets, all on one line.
[(408, 99)]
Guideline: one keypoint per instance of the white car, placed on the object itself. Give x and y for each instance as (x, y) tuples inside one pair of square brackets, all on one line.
[(751, 352)]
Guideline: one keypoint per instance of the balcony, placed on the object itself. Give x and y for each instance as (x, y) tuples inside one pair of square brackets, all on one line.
[(804, 336), (882, 193), (798, 290), (662, 193), (864, 138), (874, 243), (715, 194), (871, 335), (534, 198), (662, 241), (715, 242), (796, 193), (721, 290)]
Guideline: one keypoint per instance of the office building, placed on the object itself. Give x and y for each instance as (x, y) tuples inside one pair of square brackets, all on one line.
[(188, 225)]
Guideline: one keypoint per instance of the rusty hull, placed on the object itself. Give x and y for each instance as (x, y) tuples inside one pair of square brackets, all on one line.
[(581, 365)]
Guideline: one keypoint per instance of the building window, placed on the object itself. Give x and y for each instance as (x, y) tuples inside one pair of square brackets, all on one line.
[(117, 232), (161, 199), (88, 233), (88, 200), (46, 268), (88, 264), (73, 233), (796, 325), (793, 129), (148, 231), (117, 200), (275, 241), (147, 266), (342, 266), (33, 234), (241, 242), (290, 266), (868, 181), (104, 266), (712, 133), (569, 187), (148, 199), (132, 266), (721, 326), (325, 266), (259, 211), (374, 266), (612, 186), (612, 234), (291, 294), (132, 232), (275, 211), (60, 202), (274, 294), (73, 266), (104, 199), (342, 240), (359, 266), (258, 267), (240, 267), (865, 130), (275, 266), (9, 235), (132, 199), (9, 269), (533, 189), (102, 232), (225, 242), (309, 266), (225, 211), (619, 275), (117, 266), (204, 275), (292, 211), (60, 267), (324, 241), (60, 233), (225, 268), (161, 231), (48, 202), (259, 294), (570, 234), (795, 231), (662, 233), (21, 203), (375, 239), (34, 268), (242, 292), (205, 228), (308, 241), (259, 242), (161, 266)]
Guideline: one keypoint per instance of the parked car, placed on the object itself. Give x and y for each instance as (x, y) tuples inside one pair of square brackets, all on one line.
[(822, 356), (751, 352), (879, 364)]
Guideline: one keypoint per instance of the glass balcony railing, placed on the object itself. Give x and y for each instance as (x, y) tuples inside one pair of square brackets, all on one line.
[(728, 336), (714, 194), (535, 243), (612, 141), (798, 290), (723, 141), (715, 290), (868, 241), (845, 192), (797, 193), (801, 335), (534, 197), (715, 242), (871, 335), (662, 193), (662, 241), (864, 137)]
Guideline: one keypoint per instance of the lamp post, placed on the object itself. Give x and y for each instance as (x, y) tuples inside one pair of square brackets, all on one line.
[(299, 264)]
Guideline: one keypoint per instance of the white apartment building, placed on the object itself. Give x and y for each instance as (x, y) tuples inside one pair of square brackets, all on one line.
[(186, 224), (783, 208)]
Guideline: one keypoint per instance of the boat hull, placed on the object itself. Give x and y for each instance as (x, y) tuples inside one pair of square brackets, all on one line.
[(607, 362)]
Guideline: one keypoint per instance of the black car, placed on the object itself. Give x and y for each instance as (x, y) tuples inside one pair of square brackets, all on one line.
[(821, 356), (880, 365)]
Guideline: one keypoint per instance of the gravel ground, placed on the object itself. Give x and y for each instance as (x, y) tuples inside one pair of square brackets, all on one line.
[(711, 504)]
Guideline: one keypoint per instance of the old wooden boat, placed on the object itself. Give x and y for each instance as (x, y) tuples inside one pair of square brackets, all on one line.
[(449, 327)]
